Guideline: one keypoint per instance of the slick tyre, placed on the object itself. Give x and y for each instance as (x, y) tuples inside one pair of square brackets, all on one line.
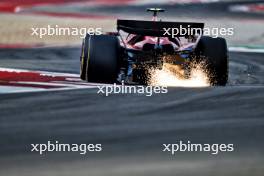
[(100, 58), (215, 54)]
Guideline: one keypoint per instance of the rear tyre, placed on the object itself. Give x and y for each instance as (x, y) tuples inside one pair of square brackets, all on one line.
[(215, 54), (100, 58), (83, 61)]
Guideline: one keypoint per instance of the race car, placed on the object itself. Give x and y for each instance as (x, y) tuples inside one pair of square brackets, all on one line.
[(136, 47)]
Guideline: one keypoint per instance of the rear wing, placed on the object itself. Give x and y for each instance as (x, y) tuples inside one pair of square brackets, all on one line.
[(159, 28)]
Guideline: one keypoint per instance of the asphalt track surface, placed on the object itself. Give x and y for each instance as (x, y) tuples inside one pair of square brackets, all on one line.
[(132, 128)]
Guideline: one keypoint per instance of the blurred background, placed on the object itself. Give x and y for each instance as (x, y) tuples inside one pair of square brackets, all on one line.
[(19, 16)]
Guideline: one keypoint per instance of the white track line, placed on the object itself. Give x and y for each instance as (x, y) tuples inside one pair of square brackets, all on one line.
[(246, 50), (72, 81)]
